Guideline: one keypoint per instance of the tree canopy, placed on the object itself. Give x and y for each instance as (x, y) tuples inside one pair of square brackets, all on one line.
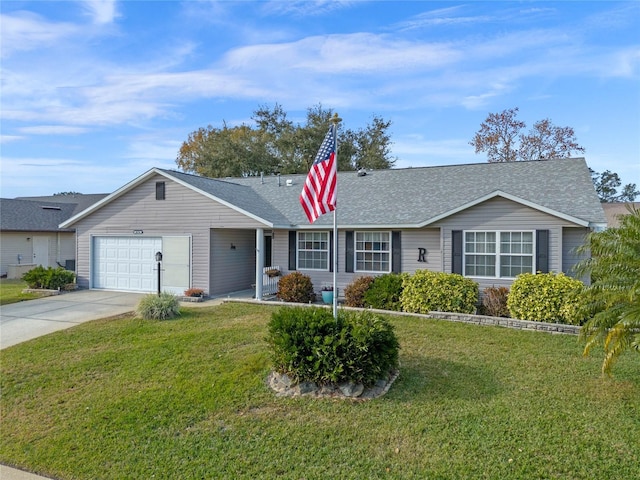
[(607, 183), (276, 145), (501, 136)]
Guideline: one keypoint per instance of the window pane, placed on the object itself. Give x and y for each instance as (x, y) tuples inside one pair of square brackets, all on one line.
[(313, 250), (480, 265), (373, 251)]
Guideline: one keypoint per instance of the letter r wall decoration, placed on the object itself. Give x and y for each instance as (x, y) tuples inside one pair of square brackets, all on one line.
[(422, 254)]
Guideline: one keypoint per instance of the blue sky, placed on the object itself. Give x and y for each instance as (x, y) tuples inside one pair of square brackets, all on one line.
[(94, 93)]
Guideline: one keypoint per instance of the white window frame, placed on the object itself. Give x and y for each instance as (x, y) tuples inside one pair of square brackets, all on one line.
[(498, 254), (356, 251), (299, 250)]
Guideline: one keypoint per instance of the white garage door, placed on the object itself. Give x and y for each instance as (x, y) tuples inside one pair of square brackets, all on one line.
[(126, 263)]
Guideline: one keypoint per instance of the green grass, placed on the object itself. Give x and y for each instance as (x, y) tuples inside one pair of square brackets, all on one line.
[(186, 398), (11, 292)]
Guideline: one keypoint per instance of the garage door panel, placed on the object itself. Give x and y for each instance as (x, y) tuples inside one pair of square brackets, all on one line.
[(125, 263)]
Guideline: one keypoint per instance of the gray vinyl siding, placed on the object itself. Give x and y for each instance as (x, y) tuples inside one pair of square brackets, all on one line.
[(502, 214), (14, 244), (572, 238), (232, 269), (61, 247), (428, 238), (412, 241), (183, 212)]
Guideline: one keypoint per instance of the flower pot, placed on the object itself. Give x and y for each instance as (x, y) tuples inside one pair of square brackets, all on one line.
[(327, 296)]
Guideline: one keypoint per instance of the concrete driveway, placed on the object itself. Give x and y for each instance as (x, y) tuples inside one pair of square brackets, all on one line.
[(23, 321)]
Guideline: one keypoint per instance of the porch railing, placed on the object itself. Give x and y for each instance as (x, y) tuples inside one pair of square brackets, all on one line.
[(270, 280)]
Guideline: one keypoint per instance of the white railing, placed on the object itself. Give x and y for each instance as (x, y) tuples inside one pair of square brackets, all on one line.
[(270, 280)]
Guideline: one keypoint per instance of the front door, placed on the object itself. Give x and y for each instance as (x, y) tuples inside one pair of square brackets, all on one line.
[(41, 251)]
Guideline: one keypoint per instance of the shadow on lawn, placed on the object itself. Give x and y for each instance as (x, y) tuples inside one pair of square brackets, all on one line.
[(435, 379)]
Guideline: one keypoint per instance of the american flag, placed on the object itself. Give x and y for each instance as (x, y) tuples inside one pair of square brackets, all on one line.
[(319, 193)]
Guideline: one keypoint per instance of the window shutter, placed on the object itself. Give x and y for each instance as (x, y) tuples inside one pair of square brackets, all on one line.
[(331, 251), (396, 255), (542, 251), (292, 249), (348, 248), (456, 251)]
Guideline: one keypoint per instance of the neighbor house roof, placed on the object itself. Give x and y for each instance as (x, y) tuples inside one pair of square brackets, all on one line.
[(411, 197), (82, 201), (613, 211), (33, 216)]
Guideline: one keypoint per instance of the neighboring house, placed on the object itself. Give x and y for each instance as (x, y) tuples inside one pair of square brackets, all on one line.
[(29, 232), (613, 211), (488, 221)]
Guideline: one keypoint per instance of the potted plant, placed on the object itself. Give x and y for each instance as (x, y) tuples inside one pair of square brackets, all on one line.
[(272, 272), (194, 292), (327, 294)]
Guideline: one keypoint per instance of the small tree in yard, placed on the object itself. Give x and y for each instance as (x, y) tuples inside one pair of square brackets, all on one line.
[(613, 298)]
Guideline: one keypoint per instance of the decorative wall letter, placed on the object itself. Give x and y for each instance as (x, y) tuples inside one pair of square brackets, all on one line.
[(422, 255)]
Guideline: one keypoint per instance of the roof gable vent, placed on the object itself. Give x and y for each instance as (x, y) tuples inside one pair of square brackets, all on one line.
[(50, 207)]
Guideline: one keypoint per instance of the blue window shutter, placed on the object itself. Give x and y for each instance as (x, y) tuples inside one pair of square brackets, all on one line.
[(456, 251), (349, 254), (542, 251), (396, 252), (292, 249)]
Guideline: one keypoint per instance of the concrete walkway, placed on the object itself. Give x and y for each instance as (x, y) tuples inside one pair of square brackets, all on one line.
[(24, 321)]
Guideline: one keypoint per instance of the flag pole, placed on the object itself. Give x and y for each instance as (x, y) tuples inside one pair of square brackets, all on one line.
[(335, 120)]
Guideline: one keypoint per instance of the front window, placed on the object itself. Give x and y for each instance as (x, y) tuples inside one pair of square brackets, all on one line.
[(485, 256), (373, 251), (313, 250)]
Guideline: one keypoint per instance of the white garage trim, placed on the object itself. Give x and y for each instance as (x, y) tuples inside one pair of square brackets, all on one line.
[(127, 263)]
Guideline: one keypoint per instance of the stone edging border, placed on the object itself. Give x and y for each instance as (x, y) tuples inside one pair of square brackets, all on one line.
[(514, 323), (284, 386)]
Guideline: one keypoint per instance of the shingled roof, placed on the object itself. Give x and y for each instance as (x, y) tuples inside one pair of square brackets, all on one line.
[(415, 197), (33, 216), (409, 198)]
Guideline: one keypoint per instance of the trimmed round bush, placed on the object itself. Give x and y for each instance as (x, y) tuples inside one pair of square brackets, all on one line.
[(426, 291), (546, 297), (309, 344), (354, 292), (296, 287), (384, 292), (158, 307)]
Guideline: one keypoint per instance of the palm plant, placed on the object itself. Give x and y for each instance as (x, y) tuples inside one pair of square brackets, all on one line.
[(613, 298)]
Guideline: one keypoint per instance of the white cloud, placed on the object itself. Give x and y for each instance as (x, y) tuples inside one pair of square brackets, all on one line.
[(101, 11), (52, 130), (27, 31)]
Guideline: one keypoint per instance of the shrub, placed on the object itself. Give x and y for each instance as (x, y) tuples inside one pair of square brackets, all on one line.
[(309, 344), (49, 278), (427, 291), (194, 292), (354, 292), (546, 297), (494, 301), (296, 287), (384, 292), (158, 307)]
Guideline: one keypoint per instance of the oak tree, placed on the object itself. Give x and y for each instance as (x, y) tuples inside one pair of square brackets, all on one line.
[(277, 145), (501, 136)]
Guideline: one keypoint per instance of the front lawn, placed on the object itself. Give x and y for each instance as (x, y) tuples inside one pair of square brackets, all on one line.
[(186, 398), (11, 292)]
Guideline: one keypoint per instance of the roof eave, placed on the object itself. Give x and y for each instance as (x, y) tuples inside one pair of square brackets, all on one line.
[(142, 178)]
